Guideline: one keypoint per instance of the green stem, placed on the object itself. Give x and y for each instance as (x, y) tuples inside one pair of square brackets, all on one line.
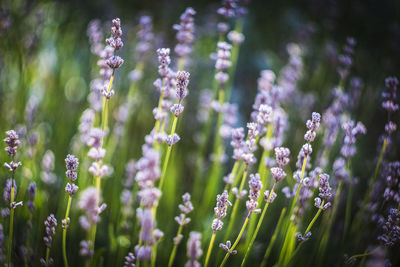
[(236, 206), (287, 235), (372, 184), (273, 238), (47, 256), (236, 241), (348, 202), (10, 235), (210, 247), (166, 160), (326, 236), (260, 220), (64, 240), (315, 218), (262, 170), (172, 257)]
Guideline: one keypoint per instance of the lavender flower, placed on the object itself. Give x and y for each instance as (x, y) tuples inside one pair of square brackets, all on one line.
[(116, 43), (194, 251), (223, 62), (71, 163), (228, 8), (89, 202), (130, 260), (95, 36), (32, 194), (185, 209), (389, 102), (12, 142), (145, 36), (220, 211), (255, 186), (391, 229), (185, 34), (324, 192), (351, 131), (50, 224), (227, 247), (235, 37), (181, 84), (345, 60)]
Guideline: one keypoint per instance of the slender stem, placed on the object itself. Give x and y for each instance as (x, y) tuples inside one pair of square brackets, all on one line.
[(372, 183), (237, 240), (210, 247), (260, 220), (287, 235), (348, 202), (181, 63), (172, 257), (273, 238), (64, 240), (105, 105), (10, 235), (315, 218), (157, 124), (236, 206), (262, 170), (166, 160), (47, 256)]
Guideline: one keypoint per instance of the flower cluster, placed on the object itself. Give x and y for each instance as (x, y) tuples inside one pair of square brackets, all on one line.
[(97, 153), (235, 37), (351, 131), (291, 73), (12, 142), (145, 36), (324, 192), (255, 186), (95, 36), (223, 62), (130, 260), (194, 250), (390, 228), (389, 102), (182, 220), (148, 234), (50, 224), (89, 203), (227, 247), (148, 172), (116, 43), (220, 211), (282, 158), (345, 60), (32, 194), (185, 34), (71, 163), (228, 9), (392, 185)]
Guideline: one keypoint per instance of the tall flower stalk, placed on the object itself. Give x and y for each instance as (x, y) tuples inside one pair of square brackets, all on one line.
[(72, 165), (255, 186), (305, 152), (50, 223), (216, 226), (185, 36), (282, 158), (181, 92), (182, 220), (12, 142), (390, 105)]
